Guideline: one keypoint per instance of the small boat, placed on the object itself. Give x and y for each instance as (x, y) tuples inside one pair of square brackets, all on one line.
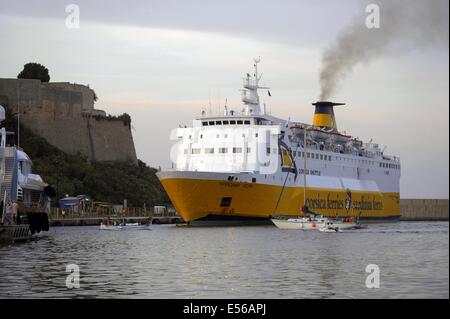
[(128, 226), (348, 223), (329, 227)]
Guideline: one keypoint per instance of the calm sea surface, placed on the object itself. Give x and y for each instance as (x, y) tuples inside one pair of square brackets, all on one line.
[(231, 262)]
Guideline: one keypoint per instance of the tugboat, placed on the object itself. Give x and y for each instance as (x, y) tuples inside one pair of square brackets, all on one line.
[(24, 196)]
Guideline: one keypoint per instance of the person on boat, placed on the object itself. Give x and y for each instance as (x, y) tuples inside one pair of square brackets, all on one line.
[(14, 211), (1, 211)]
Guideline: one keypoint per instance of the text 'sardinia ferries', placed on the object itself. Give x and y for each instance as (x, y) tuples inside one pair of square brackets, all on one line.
[(252, 164), (24, 196)]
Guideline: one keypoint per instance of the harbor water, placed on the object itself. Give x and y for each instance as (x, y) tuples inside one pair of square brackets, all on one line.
[(231, 262)]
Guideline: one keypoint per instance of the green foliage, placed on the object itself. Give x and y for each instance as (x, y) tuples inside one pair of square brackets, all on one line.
[(125, 118), (73, 174), (34, 71)]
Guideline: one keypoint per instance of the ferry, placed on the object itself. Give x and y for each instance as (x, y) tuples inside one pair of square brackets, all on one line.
[(249, 164), (24, 197)]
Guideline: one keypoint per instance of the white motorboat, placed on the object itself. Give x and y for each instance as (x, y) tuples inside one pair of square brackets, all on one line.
[(329, 227), (349, 226)]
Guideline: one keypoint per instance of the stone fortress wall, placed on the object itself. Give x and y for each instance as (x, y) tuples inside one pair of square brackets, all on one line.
[(63, 113)]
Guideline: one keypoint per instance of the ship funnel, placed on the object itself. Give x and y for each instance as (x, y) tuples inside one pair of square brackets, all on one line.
[(324, 114)]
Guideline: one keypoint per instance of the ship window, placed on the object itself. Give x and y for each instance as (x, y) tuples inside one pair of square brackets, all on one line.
[(237, 150), (268, 150), (218, 122), (223, 150), (201, 135), (317, 156), (247, 122), (233, 122), (211, 123), (249, 150), (196, 151), (239, 122), (308, 155), (254, 180), (225, 122), (256, 135), (209, 150), (205, 123), (321, 156), (226, 135)]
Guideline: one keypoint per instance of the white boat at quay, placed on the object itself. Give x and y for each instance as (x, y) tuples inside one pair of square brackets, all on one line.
[(128, 226)]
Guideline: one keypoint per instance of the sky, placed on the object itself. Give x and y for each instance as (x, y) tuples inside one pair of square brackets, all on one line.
[(163, 62)]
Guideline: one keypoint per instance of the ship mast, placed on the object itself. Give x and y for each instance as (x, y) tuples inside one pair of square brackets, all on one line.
[(304, 168), (250, 95)]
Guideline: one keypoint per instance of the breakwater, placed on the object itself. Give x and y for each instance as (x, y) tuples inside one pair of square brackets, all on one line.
[(424, 209)]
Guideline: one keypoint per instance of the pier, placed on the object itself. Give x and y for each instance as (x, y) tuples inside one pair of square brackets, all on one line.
[(411, 210), (60, 217)]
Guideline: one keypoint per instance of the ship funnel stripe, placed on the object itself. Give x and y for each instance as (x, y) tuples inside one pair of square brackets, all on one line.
[(324, 114), (321, 109)]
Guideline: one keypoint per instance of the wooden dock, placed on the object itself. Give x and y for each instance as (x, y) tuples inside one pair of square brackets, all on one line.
[(96, 220)]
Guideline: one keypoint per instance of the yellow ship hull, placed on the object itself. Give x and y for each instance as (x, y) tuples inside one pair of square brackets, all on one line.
[(195, 197)]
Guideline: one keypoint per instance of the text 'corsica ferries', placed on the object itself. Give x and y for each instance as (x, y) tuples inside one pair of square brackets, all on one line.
[(253, 165)]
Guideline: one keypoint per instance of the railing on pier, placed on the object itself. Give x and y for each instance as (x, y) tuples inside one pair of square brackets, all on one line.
[(130, 212)]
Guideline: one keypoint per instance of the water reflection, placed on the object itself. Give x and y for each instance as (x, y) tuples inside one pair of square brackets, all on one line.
[(230, 262)]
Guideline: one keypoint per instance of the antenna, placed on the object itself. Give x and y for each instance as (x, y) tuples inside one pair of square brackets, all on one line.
[(210, 109)]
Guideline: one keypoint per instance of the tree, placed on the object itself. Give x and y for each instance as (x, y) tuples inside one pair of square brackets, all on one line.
[(34, 71)]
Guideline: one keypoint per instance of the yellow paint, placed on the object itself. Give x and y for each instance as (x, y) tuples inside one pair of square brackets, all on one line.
[(287, 159), (194, 199), (324, 120)]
